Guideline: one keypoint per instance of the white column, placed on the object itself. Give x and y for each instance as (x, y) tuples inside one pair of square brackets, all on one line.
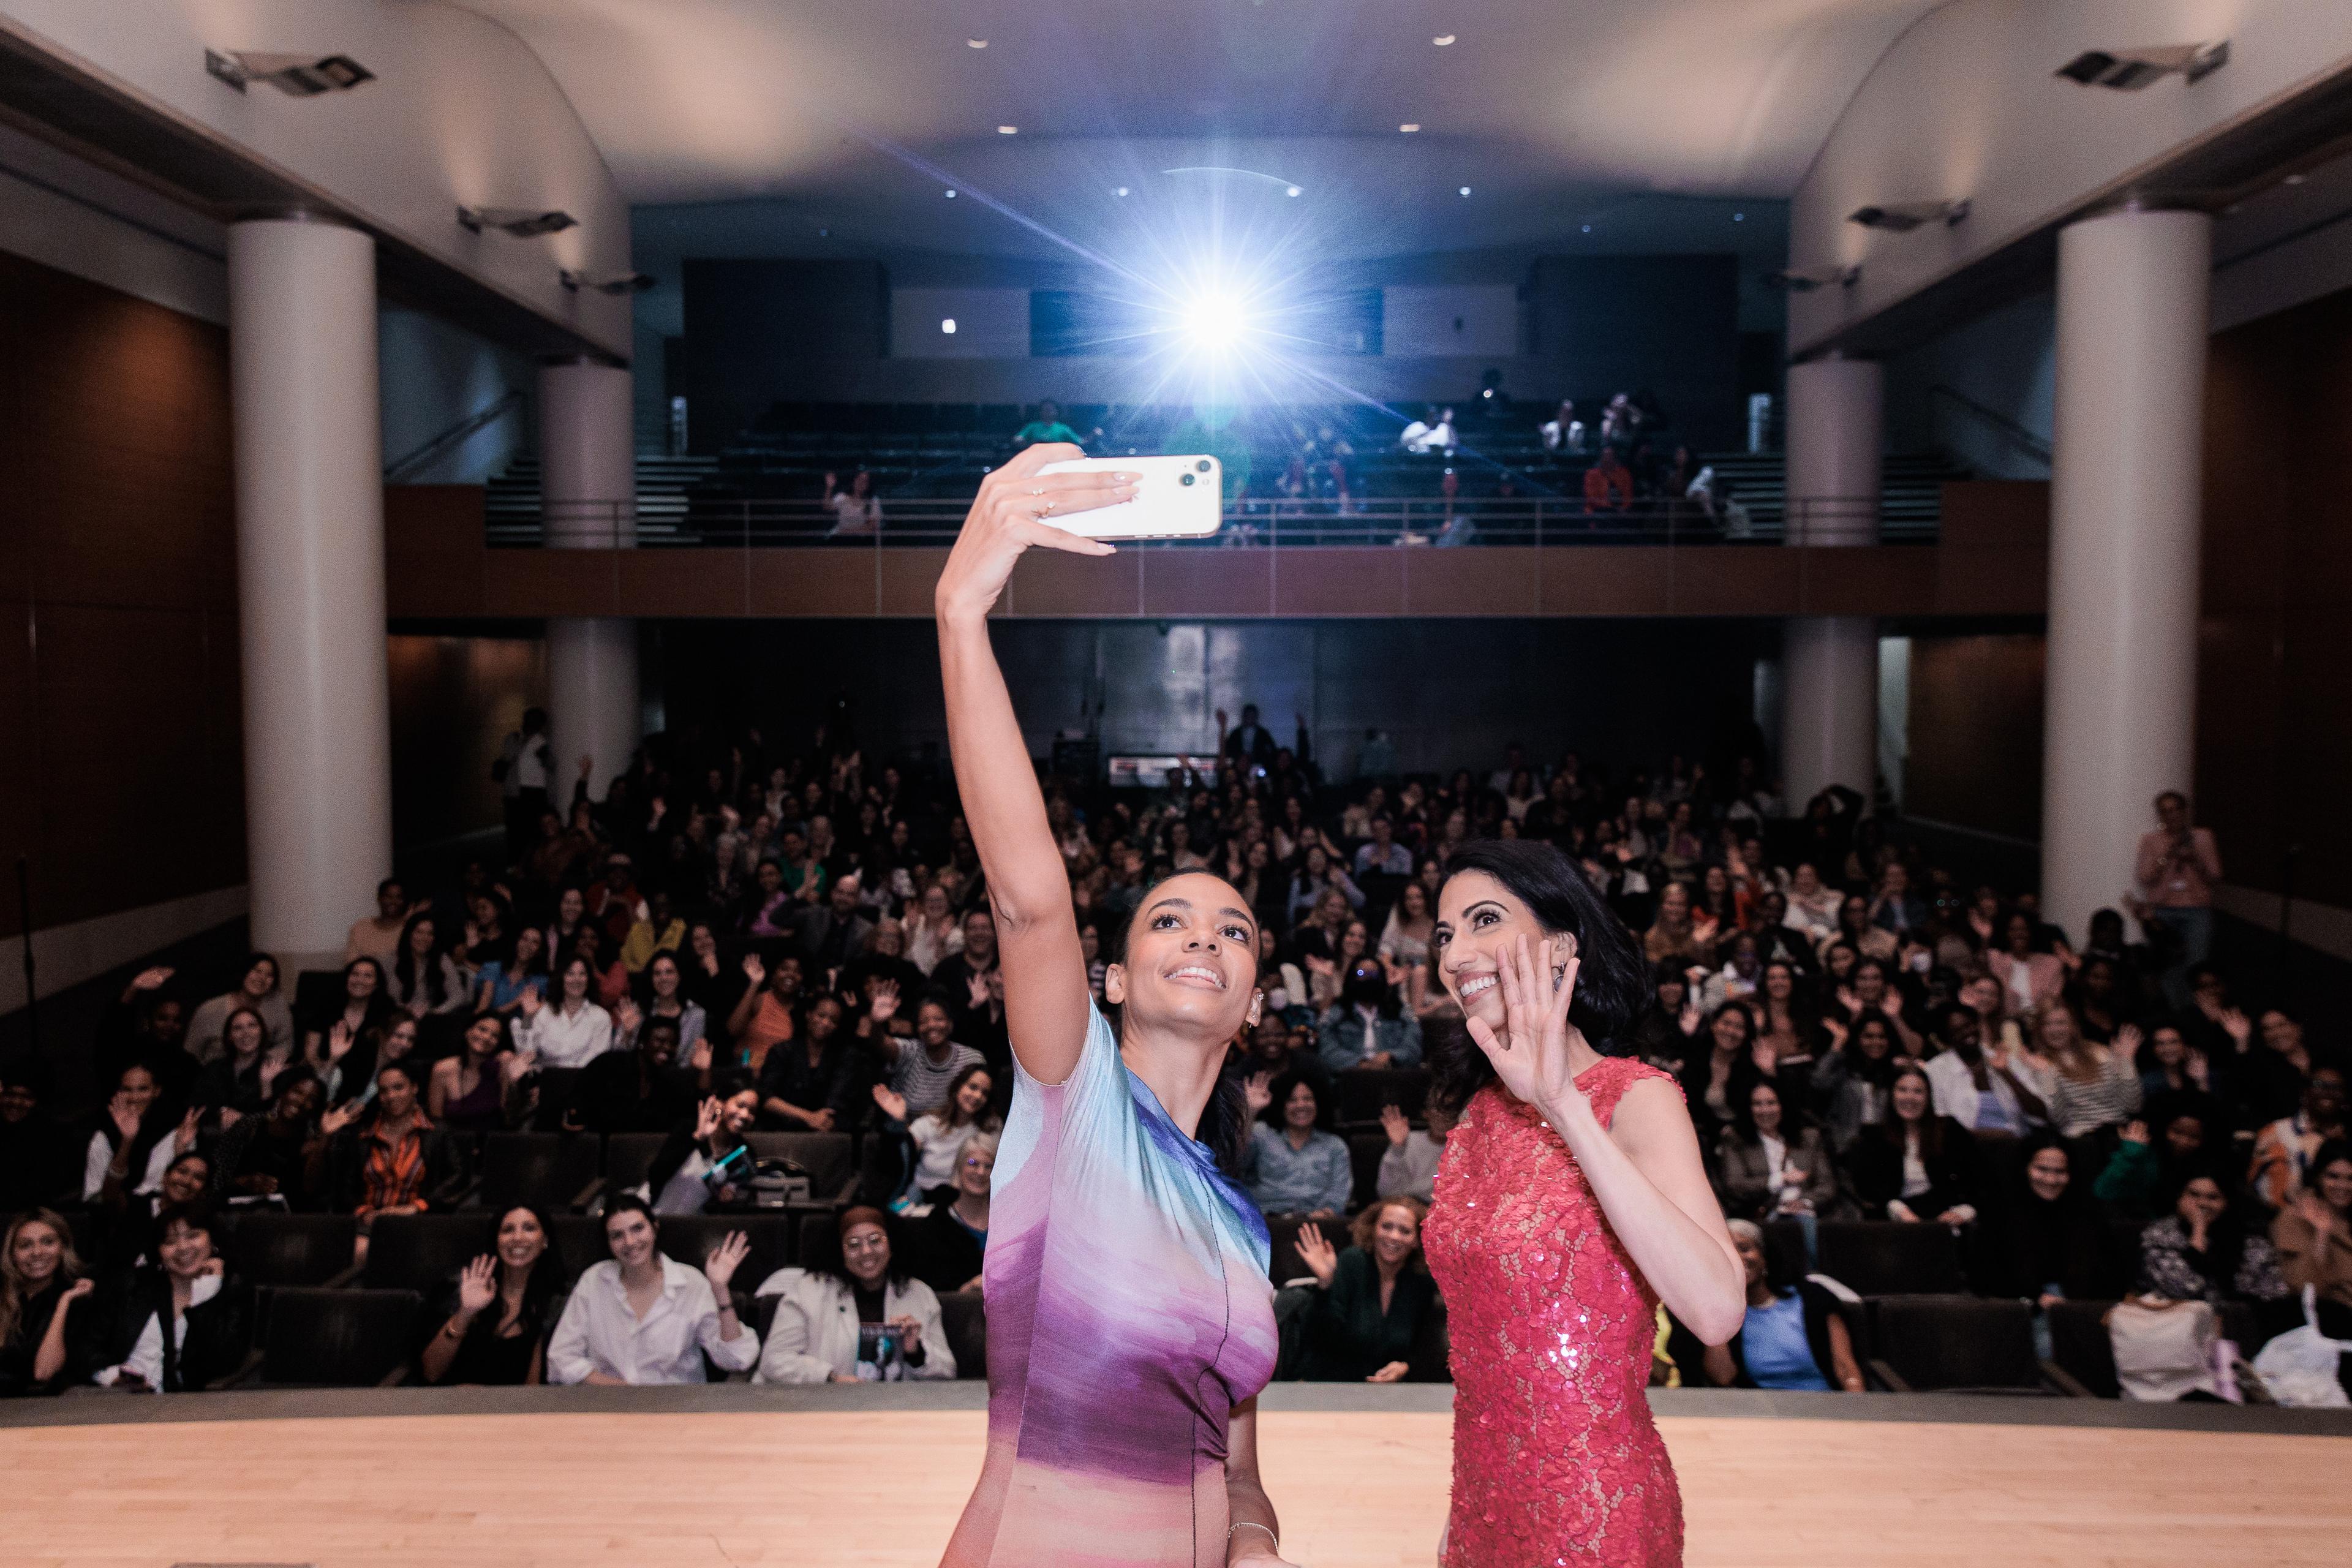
[(587, 469), (310, 603), (1829, 733), (2124, 475)]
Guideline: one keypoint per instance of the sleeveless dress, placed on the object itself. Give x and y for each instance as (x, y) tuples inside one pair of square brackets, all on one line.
[(1556, 1460), (1128, 1311)]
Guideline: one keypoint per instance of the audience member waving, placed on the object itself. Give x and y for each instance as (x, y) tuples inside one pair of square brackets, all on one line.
[(1130, 1318)]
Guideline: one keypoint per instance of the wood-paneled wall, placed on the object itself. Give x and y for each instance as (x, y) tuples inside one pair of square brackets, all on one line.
[(122, 778)]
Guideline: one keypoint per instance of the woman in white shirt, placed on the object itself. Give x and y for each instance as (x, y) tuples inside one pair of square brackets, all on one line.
[(570, 1032), (643, 1319), (854, 509), (933, 933), (135, 1142), (188, 1297), (939, 1135), (858, 1318)]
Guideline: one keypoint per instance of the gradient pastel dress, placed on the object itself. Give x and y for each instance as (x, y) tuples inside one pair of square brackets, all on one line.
[(1128, 1311)]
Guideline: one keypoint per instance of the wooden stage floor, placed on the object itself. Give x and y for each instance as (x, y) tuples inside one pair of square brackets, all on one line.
[(720, 1483)]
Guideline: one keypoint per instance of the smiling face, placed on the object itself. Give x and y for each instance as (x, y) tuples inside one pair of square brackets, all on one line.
[(482, 1037), (244, 1035), (1479, 924), (1191, 960), (184, 1250), (2047, 1175), (975, 1168), (1396, 1237), (630, 1236), (1751, 1256), (866, 1253), (185, 1180), (2202, 1201), (37, 1252), (972, 1098), (1764, 1108), (1909, 1096), (2334, 1185), (1299, 1110), (522, 1241)]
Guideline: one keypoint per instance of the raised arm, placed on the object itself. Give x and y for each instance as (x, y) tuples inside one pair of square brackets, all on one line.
[(1028, 887)]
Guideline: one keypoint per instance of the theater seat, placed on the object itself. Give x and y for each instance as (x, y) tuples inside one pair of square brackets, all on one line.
[(629, 1159), (1365, 1151), (1960, 1345), (334, 1339), (267, 1248), (1362, 1091), (829, 1158), (966, 1322), (2080, 1347), (423, 1252), (550, 1170), (690, 1238), (1883, 1257)]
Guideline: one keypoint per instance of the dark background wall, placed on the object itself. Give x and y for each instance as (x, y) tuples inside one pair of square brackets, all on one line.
[(1975, 733), (124, 781), (1450, 693), (1669, 324), (2275, 699), (746, 319), (453, 701)]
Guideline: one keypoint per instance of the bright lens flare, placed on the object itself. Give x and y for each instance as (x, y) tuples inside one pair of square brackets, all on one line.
[(1214, 324)]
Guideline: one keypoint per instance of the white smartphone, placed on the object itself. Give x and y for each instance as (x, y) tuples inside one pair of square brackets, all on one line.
[(1177, 498)]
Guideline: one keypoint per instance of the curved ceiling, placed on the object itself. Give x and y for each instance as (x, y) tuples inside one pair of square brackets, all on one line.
[(860, 112)]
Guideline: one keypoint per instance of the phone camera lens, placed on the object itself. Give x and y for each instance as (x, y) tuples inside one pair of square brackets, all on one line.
[(1203, 464), (1184, 478)]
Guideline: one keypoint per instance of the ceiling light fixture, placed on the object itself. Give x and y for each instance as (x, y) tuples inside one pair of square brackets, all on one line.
[(1588, 229), (1739, 217), (296, 76), (522, 223), (1120, 192), (1290, 190), (1007, 130), (950, 196), (1442, 40), (947, 325), (2128, 70), (1797, 282), (1902, 217), (1409, 128), (975, 43), (615, 283), (1465, 190)]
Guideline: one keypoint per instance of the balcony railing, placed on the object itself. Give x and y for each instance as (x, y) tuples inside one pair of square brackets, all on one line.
[(1437, 523)]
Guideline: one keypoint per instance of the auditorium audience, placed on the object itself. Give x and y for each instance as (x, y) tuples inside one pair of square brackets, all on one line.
[(183, 1321), (701, 951), (641, 1317), (49, 1331)]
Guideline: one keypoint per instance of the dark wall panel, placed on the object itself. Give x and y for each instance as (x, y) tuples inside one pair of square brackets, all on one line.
[(1976, 733), (453, 701), (743, 317), (1669, 324), (1448, 692), (124, 782), (2275, 699)]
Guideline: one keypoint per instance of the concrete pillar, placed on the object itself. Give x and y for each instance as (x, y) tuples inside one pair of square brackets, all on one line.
[(588, 496), (2125, 476), (1829, 733), (310, 603)]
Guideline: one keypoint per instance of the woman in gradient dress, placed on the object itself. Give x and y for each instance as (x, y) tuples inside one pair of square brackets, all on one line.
[(1570, 1202), (1130, 1320)]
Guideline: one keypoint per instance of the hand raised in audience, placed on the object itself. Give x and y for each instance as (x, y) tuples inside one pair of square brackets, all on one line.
[(754, 971), (478, 1286), (628, 1015), (531, 1000), (1322, 1258), (1393, 1373), (707, 1117), (335, 1118), (893, 1103), (724, 1260), (2133, 1132), (1394, 1123), (151, 979), (125, 1117), (183, 1137), (2240, 1027), (341, 1040), (885, 1006), (1257, 1090), (1690, 1019), (1836, 1031), (2200, 1069), (976, 991)]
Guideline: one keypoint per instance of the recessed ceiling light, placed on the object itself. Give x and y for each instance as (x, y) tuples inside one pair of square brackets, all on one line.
[(1588, 229), (1120, 192), (1290, 190), (947, 325), (1007, 130), (950, 196), (825, 234), (1465, 190), (2296, 179), (1409, 128), (975, 43), (1443, 39)]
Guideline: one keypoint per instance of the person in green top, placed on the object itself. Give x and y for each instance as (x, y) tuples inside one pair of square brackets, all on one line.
[(1046, 426), (1374, 1297), (2140, 1172)]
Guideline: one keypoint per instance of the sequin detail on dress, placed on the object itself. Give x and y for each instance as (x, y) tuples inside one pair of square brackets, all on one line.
[(1556, 1460)]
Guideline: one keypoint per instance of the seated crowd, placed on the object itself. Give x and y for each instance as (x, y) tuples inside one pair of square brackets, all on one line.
[(796, 941)]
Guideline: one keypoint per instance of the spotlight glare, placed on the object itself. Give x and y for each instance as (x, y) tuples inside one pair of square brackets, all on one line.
[(1007, 130), (1465, 190), (951, 195), (1291, 191), (947, 326), (1214, 324), (1409, 127), (975, 43), (1120, 192), (1443, 39)]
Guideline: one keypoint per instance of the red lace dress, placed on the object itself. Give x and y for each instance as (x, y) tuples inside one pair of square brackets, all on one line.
[(1556, 1460)]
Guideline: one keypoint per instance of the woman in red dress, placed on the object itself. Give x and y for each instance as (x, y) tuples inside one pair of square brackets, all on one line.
[(1572, 1201)]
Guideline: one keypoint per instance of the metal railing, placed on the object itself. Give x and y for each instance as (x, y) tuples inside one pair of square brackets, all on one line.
[(1414, 522)]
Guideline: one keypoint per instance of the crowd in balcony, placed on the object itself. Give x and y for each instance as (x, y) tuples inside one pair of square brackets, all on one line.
[(740, 940)]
